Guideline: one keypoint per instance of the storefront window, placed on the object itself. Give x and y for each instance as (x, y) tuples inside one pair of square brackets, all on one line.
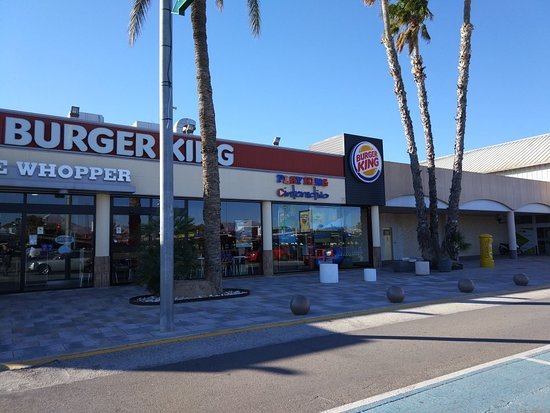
[(241, 238), (49, 199), (82, 200), (11, 198), (306, 235), (46, 241), (240, 235), (10, 251)]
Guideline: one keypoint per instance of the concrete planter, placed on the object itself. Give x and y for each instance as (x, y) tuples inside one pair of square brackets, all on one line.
[(328, 273), (369, 274), (422, 267)]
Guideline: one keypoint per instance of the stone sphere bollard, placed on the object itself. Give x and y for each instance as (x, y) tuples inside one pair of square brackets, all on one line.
[(521, 279), (395, 294), (465, 285), (299, 305)]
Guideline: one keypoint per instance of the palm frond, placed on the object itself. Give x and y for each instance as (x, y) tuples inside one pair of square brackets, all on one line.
[(368, 2), (424, 33), (137, 18), (407, 22), (254, 16)]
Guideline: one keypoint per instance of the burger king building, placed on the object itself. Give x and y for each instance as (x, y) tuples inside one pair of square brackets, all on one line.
[(77, 193)]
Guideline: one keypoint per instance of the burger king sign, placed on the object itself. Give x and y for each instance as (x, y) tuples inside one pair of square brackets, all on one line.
[(366, 162)]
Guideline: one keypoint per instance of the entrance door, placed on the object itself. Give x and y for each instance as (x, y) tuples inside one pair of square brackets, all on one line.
[(59, 251), (387, 254), (10, 251)]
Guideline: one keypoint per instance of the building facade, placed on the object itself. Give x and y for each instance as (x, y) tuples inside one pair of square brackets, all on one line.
[(80, 197)]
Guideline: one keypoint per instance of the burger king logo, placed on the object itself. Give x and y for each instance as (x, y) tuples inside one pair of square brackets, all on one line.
[(366, 162)]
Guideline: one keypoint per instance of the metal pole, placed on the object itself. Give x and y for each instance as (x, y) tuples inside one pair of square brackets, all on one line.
[(166, 170)]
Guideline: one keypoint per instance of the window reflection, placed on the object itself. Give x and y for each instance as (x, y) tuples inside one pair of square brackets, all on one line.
[(240, 235), (306, 235)]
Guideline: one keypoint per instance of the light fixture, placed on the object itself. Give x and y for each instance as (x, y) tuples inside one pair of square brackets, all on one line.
[(75, 112), (276, 140)]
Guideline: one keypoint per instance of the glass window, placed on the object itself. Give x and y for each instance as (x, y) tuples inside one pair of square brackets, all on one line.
[(542, 219), (83, 199), (132, 202), (10, 251), (48, 199), (121, 202), (306, 235), (11, 198), (241, 238), (523, 219), (195, 212), (155, 202)]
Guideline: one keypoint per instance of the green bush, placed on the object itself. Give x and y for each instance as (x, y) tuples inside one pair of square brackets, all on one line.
[(460, 242), (148, 261)]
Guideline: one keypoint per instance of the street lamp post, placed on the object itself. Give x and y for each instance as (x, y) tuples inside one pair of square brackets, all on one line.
[(166, 170)]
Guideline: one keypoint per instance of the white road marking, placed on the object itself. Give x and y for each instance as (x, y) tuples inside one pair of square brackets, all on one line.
[(418, 386), (536, 360)]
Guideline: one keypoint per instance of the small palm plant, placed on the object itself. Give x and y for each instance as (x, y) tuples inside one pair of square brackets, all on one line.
[(185, 257)]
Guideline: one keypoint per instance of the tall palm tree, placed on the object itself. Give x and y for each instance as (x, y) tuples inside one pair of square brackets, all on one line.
[(207, 122), (451, 225), (422, 229), (407, 23)]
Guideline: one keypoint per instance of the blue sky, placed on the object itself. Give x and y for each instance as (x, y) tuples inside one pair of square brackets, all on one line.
[(318, 69)]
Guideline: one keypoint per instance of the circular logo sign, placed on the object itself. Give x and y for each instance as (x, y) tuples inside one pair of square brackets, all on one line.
[(64, 239), (366, 162)]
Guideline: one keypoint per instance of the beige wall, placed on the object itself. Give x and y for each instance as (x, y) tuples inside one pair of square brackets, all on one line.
[(511, 192), (403, 226)]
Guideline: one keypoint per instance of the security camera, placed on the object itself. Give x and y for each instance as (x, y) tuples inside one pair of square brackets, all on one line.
[(276, 140)]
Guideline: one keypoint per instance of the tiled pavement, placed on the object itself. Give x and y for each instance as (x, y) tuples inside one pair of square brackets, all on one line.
[(52, 323)]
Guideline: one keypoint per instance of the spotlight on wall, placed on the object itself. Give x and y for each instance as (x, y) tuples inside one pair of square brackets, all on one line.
[(276, 140), (75, 112)]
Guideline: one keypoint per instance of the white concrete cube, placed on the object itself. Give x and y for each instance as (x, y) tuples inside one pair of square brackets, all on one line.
[(422, 267), (328, 273), (369, 274)]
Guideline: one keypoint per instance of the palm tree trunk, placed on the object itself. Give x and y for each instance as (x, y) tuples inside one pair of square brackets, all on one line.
[(210, 171), (419, 78), (451, 226), (422, 230)]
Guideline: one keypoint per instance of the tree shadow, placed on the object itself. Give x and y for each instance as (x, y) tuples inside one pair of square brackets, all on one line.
[(256, 358)]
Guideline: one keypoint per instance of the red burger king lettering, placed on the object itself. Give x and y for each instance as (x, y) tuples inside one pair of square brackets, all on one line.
[(366, 162)]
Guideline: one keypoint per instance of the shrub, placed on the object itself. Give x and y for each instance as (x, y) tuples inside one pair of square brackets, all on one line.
[(148, 262)]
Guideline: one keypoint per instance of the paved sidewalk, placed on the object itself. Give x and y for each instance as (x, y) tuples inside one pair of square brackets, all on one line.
[(53, 323)]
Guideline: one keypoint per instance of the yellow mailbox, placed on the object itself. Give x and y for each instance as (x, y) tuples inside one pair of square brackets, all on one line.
[(486, 251)]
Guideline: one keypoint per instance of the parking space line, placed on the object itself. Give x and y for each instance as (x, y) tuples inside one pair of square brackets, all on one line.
[(424, 385), (536, 360)]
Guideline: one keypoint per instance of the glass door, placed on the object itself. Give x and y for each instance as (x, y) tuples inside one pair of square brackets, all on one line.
[(58, 251), (10, 251)]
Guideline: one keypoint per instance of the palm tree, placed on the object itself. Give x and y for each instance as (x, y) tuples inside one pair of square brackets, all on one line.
[(422, 229), (451, 225), (407, 23), (207, 122)]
